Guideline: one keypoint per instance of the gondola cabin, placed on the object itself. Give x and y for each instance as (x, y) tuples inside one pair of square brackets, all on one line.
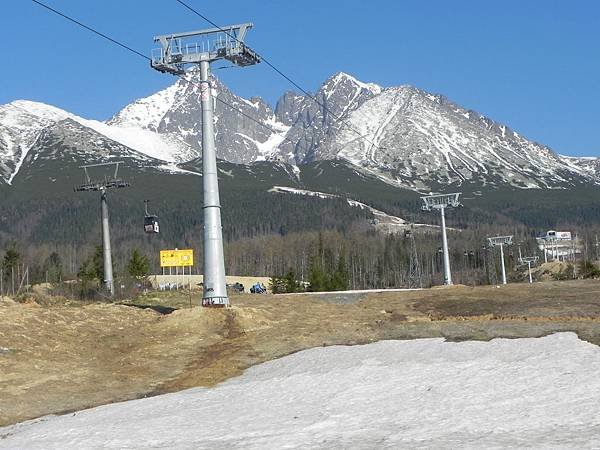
[(151, 224)]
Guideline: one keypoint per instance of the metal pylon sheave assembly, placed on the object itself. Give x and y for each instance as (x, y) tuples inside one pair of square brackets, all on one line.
[(200, 48)]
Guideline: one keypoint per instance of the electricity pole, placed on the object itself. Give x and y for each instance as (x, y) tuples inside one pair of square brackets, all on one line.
[(102, 186), (175, 53), (441, 202), (501, 241)]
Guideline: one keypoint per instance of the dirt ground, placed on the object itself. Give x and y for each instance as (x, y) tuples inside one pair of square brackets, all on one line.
[(57, 356)]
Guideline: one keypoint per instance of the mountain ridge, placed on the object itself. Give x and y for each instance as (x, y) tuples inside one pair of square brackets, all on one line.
[(404, 135)]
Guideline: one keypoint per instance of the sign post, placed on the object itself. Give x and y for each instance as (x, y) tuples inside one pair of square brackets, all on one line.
[(177, 258)]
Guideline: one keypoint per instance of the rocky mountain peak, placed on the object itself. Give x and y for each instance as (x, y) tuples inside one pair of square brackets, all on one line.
[(403, 134)]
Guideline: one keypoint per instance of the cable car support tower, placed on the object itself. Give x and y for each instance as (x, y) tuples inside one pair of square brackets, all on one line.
[(529, 260), (501, 241), (201, 48), (441, 202), (102, 186)]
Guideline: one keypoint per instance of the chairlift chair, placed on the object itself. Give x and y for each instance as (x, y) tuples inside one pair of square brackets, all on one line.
[(150, 221)]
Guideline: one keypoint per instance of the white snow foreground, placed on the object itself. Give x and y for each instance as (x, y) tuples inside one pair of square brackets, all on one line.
[(414, 394)]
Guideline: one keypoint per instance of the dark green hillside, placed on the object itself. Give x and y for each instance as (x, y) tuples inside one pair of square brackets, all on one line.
[(266, 231)]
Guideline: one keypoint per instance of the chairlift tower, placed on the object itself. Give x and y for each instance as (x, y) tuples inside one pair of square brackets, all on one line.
[(441, 202), (501, 241), (529, 260), (201, 48), (102, 186)]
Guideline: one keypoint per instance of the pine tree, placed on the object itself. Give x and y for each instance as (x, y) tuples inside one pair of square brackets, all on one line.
[(291, 283), (317, 278), (341, 277), (277, 285), (138, 266), (286, 284), (93, 267), (52, 268), (10, 263), (87, 272), (98, 263), (11, 258)]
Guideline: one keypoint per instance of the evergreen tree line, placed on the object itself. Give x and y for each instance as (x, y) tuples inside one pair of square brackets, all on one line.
[(321, 242), (312, 260)]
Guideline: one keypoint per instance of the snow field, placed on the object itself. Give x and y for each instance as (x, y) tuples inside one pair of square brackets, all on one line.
[(542, 393)]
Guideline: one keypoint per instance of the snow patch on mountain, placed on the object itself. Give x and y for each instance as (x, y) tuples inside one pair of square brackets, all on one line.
[(383, 220), (590, 164), (268, 148), (155, 145)]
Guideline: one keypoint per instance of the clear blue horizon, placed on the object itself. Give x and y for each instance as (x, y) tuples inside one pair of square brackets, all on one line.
[(533, 65)]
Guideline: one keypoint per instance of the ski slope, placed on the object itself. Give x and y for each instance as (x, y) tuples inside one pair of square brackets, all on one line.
[(506, 393)]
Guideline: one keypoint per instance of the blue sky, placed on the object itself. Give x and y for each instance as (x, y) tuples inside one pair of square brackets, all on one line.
[(533, 65)]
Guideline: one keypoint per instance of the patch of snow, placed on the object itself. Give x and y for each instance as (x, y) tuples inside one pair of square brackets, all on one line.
[(382, 217), (427, 393), (267, 148), (145, 141)]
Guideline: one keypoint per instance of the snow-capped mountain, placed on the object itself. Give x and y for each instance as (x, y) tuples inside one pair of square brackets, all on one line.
[(23, 124), (311, 122), (403, 135), (418, 139), (176, 112)]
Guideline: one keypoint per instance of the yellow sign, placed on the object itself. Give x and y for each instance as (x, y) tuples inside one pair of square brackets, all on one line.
[(176, 258)]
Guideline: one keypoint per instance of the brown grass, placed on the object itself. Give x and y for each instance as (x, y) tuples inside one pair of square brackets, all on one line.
[(57, 356)]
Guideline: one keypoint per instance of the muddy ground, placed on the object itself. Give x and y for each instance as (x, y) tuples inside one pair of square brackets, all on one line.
[(57, 356)]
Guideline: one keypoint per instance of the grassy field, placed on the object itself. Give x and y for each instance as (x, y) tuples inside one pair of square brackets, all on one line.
[(58, 356)]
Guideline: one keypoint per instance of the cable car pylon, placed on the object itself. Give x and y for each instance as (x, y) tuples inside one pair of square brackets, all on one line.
[(102, 186), (200, 48)]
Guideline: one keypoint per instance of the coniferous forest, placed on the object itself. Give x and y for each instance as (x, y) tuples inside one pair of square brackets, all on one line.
[(325, 242)]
